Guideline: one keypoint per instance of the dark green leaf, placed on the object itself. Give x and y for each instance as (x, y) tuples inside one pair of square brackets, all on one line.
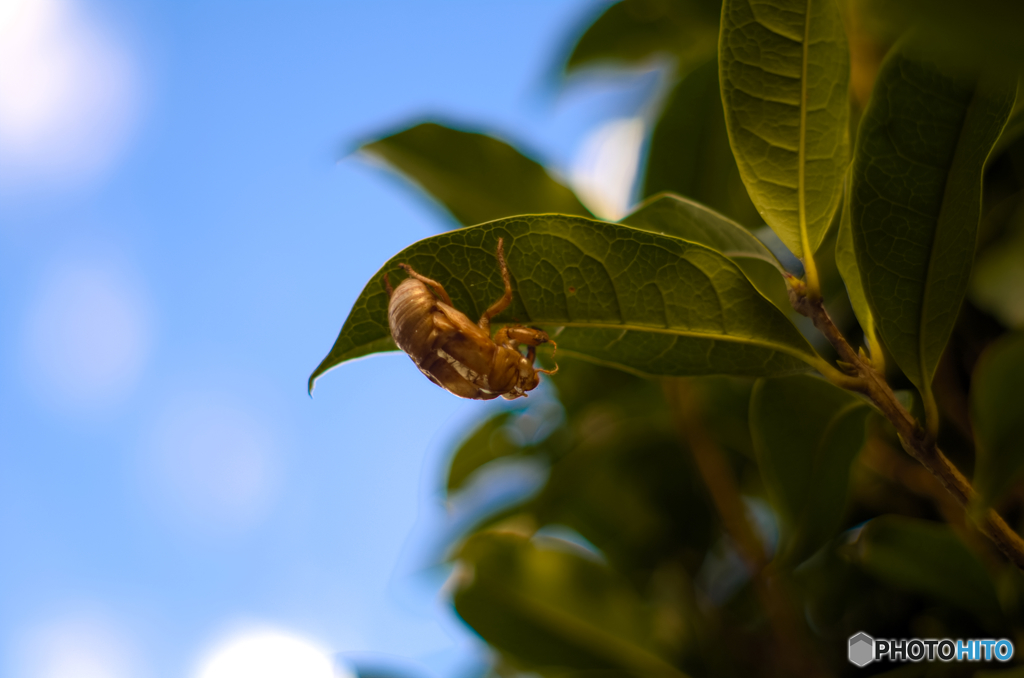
[(616, 295), (997, 284), (549, 607), (1013, 131), (477, 177), (997, 412), (846, 262), (928, 559), (785, 73), (634, 31), (956, 31), (806, 434), (916, 201), (628, 486), (686, 219), (689, 151)]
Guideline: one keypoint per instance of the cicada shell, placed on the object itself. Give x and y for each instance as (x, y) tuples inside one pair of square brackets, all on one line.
[(456, 354)]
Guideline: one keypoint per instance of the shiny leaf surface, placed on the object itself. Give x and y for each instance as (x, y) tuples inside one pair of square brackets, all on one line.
[(620, 296), (784, 69)]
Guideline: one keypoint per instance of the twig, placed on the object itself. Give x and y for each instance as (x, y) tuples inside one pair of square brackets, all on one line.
[(915, 439)]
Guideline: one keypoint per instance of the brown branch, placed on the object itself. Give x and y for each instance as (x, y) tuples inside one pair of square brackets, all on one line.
[(796, 656), (916, 441)]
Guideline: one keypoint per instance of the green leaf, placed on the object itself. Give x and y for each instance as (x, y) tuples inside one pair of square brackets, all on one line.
[(806, 434), (551, 608), (1013, 131), (615, 295), (956, 31), (915, 202), (997, 414), (487, 442), (997, 284), (625, 484), (635, 31), (477, 177), (928, 559), (689, 150), (686, 219), (846, 262), (785, 71)]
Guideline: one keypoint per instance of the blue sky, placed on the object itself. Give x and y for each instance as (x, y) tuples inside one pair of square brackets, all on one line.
[(181, 237)]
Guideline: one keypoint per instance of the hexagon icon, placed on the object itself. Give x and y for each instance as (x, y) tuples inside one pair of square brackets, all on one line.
[(862, 649)]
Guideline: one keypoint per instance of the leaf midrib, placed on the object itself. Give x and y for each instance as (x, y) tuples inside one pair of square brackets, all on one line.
[(805, 240)]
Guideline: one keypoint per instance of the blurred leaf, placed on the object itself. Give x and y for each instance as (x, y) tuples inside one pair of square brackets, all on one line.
[(785, 71), (957, 31), (997, 285), (477, 177), (549, 607), (484, 445), (915, 201), (997, 413), (689, 150), (581, 384), (629, 488), (686, 219), (616, 295), (634, 31), (928, 559), (806, 434), (846, 261)]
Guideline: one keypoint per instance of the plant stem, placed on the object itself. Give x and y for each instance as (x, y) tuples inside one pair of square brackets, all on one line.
[(919, 443), (796, 656)]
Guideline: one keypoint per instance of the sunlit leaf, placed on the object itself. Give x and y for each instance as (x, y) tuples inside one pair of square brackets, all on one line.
[(915, 201), (928, 559), (550, 607), (997, 413), (686, 219), (806, 433), (477, 177), (620, 296), (689, 150), (785, 70)]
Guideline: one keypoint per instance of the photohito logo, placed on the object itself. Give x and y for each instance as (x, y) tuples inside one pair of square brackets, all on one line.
[(863, 649)]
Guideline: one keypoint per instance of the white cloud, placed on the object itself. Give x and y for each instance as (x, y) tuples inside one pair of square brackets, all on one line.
[(606, 166), (76, 646), (87, 336), (270, 654), (68, 95), (210, 464)]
